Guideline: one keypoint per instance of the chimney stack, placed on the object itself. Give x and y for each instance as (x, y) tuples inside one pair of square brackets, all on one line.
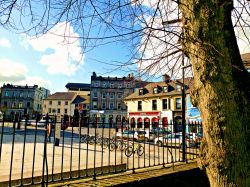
[(166, 78)]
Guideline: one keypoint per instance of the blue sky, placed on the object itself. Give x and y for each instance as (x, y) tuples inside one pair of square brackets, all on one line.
[(47, 62), (51, 61)]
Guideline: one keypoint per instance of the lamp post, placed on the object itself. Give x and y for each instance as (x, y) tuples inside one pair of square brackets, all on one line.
[(183, 109)]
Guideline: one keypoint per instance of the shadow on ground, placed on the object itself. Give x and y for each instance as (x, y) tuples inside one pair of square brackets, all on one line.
[(191, 178)]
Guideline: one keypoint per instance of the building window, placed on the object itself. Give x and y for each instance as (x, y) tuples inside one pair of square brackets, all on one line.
[(104, 85), (178, 103), (28, 104), (66, 102), (58, 111), (165, 89), (6, 94), (95, 95), (103, 105), (119, 106), (119, 95), (5, 104), (94, 104), (104, 95), (65, 111), (96, 84), (50, 102), (141, 92), (154, 104), (112, 95), (178, 88), (128, 85), (111, 105), (21, 94), (112, 85), (120, 85), (169, 104), (53, 111), (13, 105), (14, 94), (155, 90), (59, 103), (139, 107), (49, 110), (165, 104), (20, 105)]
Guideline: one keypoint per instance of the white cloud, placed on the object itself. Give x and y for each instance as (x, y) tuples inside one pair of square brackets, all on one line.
[(17, 73), (12, 71), (36, 80), (60, 48), (5, 43)]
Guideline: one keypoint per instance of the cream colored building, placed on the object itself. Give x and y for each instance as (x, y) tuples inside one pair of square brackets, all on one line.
[(59, 104), (156, 105)]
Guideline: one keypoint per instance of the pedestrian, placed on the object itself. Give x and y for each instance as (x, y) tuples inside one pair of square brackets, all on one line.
[(49, 132)]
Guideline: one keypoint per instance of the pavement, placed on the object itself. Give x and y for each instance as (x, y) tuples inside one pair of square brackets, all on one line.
[(27, 160)]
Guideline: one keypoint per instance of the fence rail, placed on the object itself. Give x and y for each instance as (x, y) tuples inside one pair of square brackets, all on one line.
[(43, 151)]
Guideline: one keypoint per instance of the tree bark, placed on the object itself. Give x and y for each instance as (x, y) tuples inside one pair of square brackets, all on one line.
[(221, 90)]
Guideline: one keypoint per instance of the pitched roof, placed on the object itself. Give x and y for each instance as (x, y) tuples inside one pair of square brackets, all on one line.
[(171, 89), (61, 96), (81, 99), (246, 60), (77, 85)]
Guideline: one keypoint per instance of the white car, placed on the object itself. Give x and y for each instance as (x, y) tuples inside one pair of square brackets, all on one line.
[(42, 122), (29, 122), (174, 139)]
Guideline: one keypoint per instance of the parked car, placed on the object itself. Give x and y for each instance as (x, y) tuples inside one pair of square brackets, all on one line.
[(174, 139), (43, 122), (29, 122), (197, 139), (146, 136), (127, 134), (160, 131)]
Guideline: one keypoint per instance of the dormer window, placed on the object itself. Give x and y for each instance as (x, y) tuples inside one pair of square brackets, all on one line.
[(111, 85), (165, 89), (155, 91), (141, 92), (178, 88)]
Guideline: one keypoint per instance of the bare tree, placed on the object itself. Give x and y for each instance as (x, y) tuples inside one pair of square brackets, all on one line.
[(158, 32)]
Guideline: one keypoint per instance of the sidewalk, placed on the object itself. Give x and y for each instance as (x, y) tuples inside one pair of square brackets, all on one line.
[(129, 179)]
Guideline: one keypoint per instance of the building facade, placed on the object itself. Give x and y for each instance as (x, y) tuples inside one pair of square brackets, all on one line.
[(157, 104), (59, 104), (107, 97), (81, 102), (16, 99)]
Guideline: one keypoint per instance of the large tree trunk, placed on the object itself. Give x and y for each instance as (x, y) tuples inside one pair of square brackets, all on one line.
[(221, 90)]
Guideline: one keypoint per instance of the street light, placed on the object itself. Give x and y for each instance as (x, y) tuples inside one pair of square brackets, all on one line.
[(183, 107)]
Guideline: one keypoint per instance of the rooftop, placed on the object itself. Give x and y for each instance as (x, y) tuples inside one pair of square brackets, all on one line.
[(61, 96), (171, 89), (246, 60), (81, 99), (77, 85)]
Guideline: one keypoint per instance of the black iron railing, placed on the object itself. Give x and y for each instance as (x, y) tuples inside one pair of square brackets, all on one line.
[(43, 151)]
